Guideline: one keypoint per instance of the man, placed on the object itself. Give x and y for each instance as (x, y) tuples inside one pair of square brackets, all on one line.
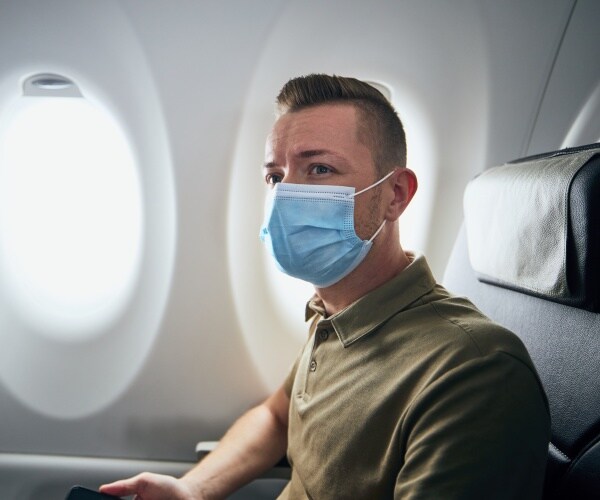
[(402, 391)]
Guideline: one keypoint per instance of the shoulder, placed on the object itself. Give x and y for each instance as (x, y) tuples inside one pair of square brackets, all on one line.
[(456, 322), (441, 334), (476, 359)]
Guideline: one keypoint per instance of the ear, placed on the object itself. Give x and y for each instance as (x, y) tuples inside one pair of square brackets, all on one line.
[(405, 187)]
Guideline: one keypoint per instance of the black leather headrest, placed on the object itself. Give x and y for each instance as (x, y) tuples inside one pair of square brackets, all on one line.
[(533, 226)]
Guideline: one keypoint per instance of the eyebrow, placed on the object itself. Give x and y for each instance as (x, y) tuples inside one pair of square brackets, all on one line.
[(309, 153), (315, 152)]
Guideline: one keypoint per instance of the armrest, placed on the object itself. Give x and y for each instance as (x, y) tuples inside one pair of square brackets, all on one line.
[(281, 470)]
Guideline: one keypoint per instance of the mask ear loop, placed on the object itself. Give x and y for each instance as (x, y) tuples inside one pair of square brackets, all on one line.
[(375, 184), (366, 189), (377, 232)]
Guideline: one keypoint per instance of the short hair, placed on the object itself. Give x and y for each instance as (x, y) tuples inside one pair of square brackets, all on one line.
[(378, 121)]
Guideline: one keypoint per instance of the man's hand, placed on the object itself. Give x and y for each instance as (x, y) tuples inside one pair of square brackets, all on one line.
[(255, 443), (148, 486)]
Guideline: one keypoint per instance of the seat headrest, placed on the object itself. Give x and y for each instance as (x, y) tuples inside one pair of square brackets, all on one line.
[(533, 226)]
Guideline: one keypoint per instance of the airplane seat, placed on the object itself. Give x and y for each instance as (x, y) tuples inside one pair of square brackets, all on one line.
[(528, 255)]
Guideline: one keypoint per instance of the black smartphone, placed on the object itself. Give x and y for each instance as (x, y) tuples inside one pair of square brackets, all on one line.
[(81, 493)]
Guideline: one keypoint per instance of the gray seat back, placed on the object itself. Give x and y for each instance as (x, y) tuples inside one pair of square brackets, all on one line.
[(562, 334)]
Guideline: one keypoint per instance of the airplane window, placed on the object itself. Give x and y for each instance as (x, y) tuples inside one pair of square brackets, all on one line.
[(70, 214)]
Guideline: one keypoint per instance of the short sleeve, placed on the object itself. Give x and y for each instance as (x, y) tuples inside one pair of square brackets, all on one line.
[(480, 431)]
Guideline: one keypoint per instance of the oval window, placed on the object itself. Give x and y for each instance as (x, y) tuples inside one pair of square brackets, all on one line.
[(70, 214)]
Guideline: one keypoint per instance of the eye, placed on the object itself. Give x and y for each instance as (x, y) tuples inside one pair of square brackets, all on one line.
[(273, 178), (321, 169)]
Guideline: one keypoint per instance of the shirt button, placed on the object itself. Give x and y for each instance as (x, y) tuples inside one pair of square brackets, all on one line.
[(323, 335), (313, 365)]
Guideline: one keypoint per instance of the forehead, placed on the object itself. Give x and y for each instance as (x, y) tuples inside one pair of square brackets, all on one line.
[(332, 125)]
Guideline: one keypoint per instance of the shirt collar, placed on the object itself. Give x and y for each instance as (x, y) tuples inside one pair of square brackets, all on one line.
[(376, 307)]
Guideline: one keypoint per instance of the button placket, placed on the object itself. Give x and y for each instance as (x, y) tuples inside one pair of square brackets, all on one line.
[(322, 334)]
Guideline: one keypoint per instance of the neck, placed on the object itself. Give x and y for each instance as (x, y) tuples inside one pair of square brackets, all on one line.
[(385, 261)]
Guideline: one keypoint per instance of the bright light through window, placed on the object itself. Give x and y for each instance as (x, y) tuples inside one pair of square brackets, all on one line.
[(70, 213)]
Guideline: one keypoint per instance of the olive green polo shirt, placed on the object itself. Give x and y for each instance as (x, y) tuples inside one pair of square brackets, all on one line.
[(412, 393)]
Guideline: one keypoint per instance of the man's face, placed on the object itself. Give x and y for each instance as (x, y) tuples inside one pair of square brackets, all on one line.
[(320, 145)]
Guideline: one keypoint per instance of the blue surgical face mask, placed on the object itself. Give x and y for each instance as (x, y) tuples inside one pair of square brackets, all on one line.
[(309, 231)]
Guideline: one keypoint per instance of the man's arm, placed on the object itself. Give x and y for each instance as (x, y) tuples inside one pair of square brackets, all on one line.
[(255, 442), (480, 431)]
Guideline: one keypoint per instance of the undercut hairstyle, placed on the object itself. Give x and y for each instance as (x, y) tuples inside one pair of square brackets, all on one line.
[(379, 126)]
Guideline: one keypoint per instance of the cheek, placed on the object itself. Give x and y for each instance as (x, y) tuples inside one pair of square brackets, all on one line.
[(367, 215)]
